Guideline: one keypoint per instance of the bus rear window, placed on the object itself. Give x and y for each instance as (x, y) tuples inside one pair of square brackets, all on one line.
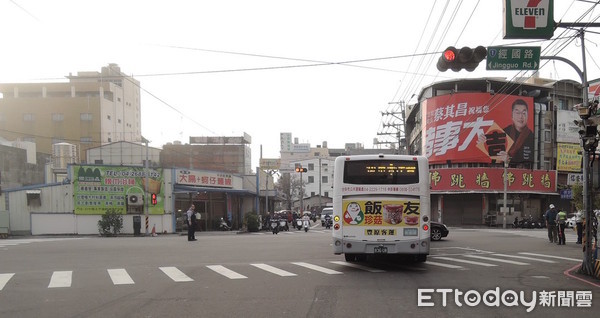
[(381, 172)]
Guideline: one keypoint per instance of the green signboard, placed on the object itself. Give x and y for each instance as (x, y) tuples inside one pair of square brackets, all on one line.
[(505, 58), (528, 19), (123, 189)]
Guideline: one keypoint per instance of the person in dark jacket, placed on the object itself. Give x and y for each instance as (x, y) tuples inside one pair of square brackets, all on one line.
[(550, 217)]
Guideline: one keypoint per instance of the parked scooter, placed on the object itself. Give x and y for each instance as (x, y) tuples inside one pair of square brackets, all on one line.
[(223, 226)]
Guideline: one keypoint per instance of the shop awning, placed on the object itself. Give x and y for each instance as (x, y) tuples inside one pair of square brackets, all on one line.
[(189, 189)]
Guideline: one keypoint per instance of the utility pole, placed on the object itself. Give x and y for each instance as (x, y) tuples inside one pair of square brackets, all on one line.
[(397, 122)]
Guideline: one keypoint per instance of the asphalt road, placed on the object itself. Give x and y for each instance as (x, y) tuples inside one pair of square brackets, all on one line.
[(295, 274)]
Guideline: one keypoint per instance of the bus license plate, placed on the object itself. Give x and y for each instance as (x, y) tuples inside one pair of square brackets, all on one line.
[(380, 250), (411, 232)]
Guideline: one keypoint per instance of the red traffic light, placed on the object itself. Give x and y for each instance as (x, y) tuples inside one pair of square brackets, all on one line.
[(301, 170), (450, 54), (154, 199)]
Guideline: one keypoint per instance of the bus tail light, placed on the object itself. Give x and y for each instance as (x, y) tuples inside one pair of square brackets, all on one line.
[(336, 226), (425, 227)]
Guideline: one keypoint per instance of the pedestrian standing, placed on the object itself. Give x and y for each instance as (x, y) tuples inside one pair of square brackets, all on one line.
[(561, 220), (191, 219), (579, 223), (550, 217)]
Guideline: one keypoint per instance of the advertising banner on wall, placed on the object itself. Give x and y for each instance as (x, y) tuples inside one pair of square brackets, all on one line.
[(568, 157), (566, 129), (478, 127), (123, 189), (204, 178), (490, 180)]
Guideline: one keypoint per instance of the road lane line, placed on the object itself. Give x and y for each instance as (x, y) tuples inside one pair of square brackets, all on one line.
[(226, 272), (4, 278), (465, 261), (364, 268), (527, 258), (61, 279), (552, 256), (175, 274), (317, 268), (443, 265), (274, 270), (497, 260), (119, 276)]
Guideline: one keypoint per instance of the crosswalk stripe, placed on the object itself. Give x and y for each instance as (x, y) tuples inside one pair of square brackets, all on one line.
[(61, 279), (4, 278), (175, 274), (464, 261), (443, 265), (364, 268), (274, 270), (551, 256), (119, 276), (527, 258), (226, 272), (317, 268), (497, 260)]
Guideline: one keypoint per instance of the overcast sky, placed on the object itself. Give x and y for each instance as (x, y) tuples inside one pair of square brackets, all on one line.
[(321, 70)]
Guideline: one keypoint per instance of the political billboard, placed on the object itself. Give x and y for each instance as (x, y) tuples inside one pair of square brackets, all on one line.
[(478, 127)]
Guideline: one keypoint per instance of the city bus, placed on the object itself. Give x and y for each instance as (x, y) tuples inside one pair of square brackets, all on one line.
[(381, 206)]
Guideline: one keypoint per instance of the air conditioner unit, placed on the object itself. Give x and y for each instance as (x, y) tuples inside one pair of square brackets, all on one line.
[(135, 200)]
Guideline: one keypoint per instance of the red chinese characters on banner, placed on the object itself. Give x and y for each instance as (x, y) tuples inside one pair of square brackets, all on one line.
[(478, 127), (490, 179)]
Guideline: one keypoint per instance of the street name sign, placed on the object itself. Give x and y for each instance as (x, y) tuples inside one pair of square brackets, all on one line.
[(507, 58)]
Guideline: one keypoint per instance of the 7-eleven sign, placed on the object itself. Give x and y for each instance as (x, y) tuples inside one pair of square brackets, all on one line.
[(528, 19)]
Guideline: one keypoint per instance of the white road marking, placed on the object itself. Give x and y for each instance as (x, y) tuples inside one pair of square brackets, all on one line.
[(365, 268), (119, 276), (497, 260), (317, 268), (552, 256), (527, 258), (175, 274), (274, 270), (226, 272), (443, 265), (61, 279), (464, 261), (4, 278)]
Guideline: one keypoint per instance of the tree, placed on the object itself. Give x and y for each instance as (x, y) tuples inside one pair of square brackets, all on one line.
[(289, 186), (577, 193), (111, 223)]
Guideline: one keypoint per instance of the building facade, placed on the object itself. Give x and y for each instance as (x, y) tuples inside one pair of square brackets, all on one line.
[(475, 131), (92, 109)]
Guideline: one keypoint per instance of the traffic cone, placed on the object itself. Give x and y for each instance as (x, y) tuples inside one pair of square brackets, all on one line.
[(154, 230)]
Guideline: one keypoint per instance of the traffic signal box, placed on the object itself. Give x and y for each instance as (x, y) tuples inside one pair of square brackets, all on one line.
[(301, 170), (465, 58)]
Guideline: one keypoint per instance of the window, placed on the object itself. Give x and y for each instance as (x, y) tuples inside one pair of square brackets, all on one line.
[(58, 117), (326, 194), (85, 117), (311, 179), (547, 136), (563, 104), (28, 117), (312, 194), (311, 166), (85, 140), (324, 179)]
